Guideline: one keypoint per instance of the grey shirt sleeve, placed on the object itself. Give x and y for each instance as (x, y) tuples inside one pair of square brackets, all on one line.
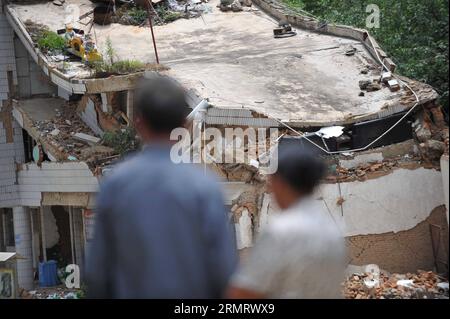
[(221, 251), (263, 267)]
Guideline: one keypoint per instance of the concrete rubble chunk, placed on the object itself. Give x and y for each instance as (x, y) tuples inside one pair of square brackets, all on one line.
[(350, 51), (393, 85), (420, 285), (369, 86), (363, 84), (89, 139), (236, 6), (434, 149), (423, 134), (443, 287), (386, 76), (374, 86)]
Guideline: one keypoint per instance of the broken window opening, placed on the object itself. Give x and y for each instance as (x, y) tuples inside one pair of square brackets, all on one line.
[(28, 145), (356, 136), (7, 229)]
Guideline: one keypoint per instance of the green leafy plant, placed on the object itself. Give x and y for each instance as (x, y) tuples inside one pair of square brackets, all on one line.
[(166, 15), (118, 67), (81, 293), (110, 66), (103, 69), (127, 66), (49, 41), (110, 51), (137, 16), (122, 141)]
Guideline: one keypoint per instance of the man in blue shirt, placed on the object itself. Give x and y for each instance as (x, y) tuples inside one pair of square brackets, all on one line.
[(161, 229)]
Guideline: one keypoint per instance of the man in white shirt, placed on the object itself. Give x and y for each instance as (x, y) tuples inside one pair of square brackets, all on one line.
[(301, 254)]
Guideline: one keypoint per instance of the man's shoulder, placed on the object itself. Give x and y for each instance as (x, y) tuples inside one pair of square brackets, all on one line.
[(124, 167), (191, 176), (297, 226), (198, 178)]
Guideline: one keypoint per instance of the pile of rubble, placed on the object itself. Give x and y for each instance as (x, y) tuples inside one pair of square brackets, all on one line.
[(35, 29), (234, 5), (165, 11), (69, 134), (190, 8), (431, 131), (422, 285), (373, 169), (52, 293)]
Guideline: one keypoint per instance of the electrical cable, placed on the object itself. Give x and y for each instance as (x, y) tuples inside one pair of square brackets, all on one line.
[(375, 140)]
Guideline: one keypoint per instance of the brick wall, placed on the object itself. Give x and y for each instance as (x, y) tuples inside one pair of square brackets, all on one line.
[(404, 251)]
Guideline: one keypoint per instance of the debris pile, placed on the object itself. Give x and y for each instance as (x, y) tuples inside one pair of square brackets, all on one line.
[(63, 132), (135, 12), (234, 5), (369, 86), (431, 131), (36, 30), (52, 293), (373, 169), (422, 285), (190, 8)]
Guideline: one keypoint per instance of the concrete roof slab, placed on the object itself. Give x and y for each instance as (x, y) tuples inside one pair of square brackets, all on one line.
[(233, 60)]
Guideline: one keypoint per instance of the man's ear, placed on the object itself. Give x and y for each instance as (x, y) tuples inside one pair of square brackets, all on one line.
[(273, 182), (141, 128)]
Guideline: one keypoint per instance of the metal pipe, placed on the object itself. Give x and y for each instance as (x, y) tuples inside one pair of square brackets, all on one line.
[(203, 105), (149, 5)]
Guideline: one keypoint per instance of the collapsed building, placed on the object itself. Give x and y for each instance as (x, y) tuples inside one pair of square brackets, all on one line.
[(329, 88)]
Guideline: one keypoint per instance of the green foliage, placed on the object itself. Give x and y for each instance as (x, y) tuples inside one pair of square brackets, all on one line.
[(122, 141), (137, 16), (127, 66), (166, 15), (413, 33), (110, 52), (81, 294), (118, 67), (110, 66), (130, 15), (49, 41)]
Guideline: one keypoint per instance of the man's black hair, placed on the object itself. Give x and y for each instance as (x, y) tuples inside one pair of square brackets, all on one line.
[(161, 103), (301, 169)]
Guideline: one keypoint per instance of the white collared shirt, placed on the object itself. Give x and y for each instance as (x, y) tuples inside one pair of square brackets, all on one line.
[(301, 254)]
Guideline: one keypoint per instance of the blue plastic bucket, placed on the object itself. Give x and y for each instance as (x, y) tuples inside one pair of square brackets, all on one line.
[(48, 275)]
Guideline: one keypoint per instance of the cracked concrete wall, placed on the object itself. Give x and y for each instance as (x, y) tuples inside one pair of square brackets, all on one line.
[(391, 203)]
